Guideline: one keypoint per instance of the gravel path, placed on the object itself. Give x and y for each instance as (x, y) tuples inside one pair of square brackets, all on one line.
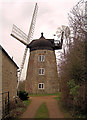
[(52, 105)]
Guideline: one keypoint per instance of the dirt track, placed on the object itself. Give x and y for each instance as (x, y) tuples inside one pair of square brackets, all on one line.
[(52, 105)]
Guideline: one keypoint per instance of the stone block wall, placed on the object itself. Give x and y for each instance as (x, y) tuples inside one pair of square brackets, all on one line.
[(9, 76), (50, 78), (8, 80)]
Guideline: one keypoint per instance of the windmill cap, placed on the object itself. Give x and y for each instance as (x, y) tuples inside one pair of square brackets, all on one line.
[(41, 43)]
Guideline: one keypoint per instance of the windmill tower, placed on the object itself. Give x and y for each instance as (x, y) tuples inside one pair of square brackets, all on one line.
[(42, 76)]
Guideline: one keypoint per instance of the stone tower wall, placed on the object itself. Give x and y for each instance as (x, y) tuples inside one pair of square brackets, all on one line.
[(50, 78)]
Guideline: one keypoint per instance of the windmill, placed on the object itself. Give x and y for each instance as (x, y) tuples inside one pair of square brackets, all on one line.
[(64, 29), (42, 76), (66, 33), (25, 39)]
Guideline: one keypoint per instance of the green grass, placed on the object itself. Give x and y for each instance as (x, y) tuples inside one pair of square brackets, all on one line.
[(59, 95), (27, 102), (42, 111), (43, 94)]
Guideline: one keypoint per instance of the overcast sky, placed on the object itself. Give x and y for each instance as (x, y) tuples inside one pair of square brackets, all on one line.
[(51, 14)]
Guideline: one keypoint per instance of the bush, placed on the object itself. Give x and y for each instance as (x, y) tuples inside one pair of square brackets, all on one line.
[(73, 88), (23, 95)]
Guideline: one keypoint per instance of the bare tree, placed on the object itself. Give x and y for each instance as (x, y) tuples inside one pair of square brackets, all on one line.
[(74, 60)]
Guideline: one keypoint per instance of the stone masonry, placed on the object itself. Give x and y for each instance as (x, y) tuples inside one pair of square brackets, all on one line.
[(50, 78), (8, 79), (9, 74)]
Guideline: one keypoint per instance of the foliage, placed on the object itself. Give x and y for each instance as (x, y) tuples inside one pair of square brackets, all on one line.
[(17, 109), (23, 95), (73, 63), (42, 111), (73, 88)]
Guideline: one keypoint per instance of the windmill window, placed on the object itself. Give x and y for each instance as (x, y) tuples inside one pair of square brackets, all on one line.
[(41, 58), (41, 71), (41, 86)]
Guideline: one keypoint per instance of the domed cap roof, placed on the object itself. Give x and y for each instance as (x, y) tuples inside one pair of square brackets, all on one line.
[(41, 43)]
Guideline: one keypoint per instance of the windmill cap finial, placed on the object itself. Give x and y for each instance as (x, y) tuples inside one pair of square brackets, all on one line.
[(42, 34)]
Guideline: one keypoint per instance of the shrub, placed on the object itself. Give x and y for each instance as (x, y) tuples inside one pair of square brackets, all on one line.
[(73, 88), (23, 95)]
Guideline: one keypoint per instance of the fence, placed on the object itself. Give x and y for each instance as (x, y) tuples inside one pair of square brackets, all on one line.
[(4, 101)]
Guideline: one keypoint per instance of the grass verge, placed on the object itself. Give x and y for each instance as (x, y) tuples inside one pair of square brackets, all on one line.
[(42, 111), (58, 97), (63, 109), (43, 94), (27, 102)]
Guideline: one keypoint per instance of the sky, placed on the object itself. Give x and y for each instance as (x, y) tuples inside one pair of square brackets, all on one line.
[(51, 15)]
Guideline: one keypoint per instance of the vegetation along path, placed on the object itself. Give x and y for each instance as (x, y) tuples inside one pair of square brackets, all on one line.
[(51, 103)]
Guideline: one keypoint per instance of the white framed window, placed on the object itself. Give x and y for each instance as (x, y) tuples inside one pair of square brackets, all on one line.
[(41, 71), (41, 86), (41, 58)]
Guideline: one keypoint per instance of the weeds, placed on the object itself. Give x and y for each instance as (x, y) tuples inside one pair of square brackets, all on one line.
[(16, 109)]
